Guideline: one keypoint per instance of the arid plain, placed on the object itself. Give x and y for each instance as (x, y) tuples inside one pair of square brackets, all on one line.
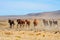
[(40, 32)]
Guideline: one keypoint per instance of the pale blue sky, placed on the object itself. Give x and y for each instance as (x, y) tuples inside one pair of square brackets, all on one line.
[(22, 7)]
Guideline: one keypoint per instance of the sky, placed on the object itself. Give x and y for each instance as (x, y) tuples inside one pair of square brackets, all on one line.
[(23, 7)]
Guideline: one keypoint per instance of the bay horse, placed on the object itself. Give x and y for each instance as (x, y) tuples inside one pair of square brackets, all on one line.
[(11, 23), (20, 22), (35, 22), (23, 22), (27, 22)]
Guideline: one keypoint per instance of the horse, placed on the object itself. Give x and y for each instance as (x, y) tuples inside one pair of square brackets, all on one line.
[(45, 22), (55, 22), (11, 23), (50, 22), (27, 22), (35, 22), (19, 22), (23, 22)]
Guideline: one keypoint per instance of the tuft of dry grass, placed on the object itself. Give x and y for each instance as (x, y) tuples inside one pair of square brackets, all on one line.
[(8, 33), (28, 35)]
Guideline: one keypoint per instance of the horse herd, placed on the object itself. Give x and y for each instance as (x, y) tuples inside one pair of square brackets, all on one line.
[(22, 23), (26, 22), (50, 22)]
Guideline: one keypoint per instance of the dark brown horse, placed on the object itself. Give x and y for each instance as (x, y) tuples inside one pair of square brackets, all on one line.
[(23, 22), (35, 22), (20, 22), (27, 22), (11, 23)]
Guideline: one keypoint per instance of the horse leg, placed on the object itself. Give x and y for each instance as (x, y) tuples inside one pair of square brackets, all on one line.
[(23, 25), (10, 26), (35, 24), (26, 25), (17, 25), (20, 25)]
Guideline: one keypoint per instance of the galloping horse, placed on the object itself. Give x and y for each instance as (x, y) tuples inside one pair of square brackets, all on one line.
[(11, 23)]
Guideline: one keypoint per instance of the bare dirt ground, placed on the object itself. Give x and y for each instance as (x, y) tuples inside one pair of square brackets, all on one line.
[(39, 32)]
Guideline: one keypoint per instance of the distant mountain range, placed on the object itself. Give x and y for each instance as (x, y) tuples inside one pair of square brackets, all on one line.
[(45, 15), (53, 14)]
